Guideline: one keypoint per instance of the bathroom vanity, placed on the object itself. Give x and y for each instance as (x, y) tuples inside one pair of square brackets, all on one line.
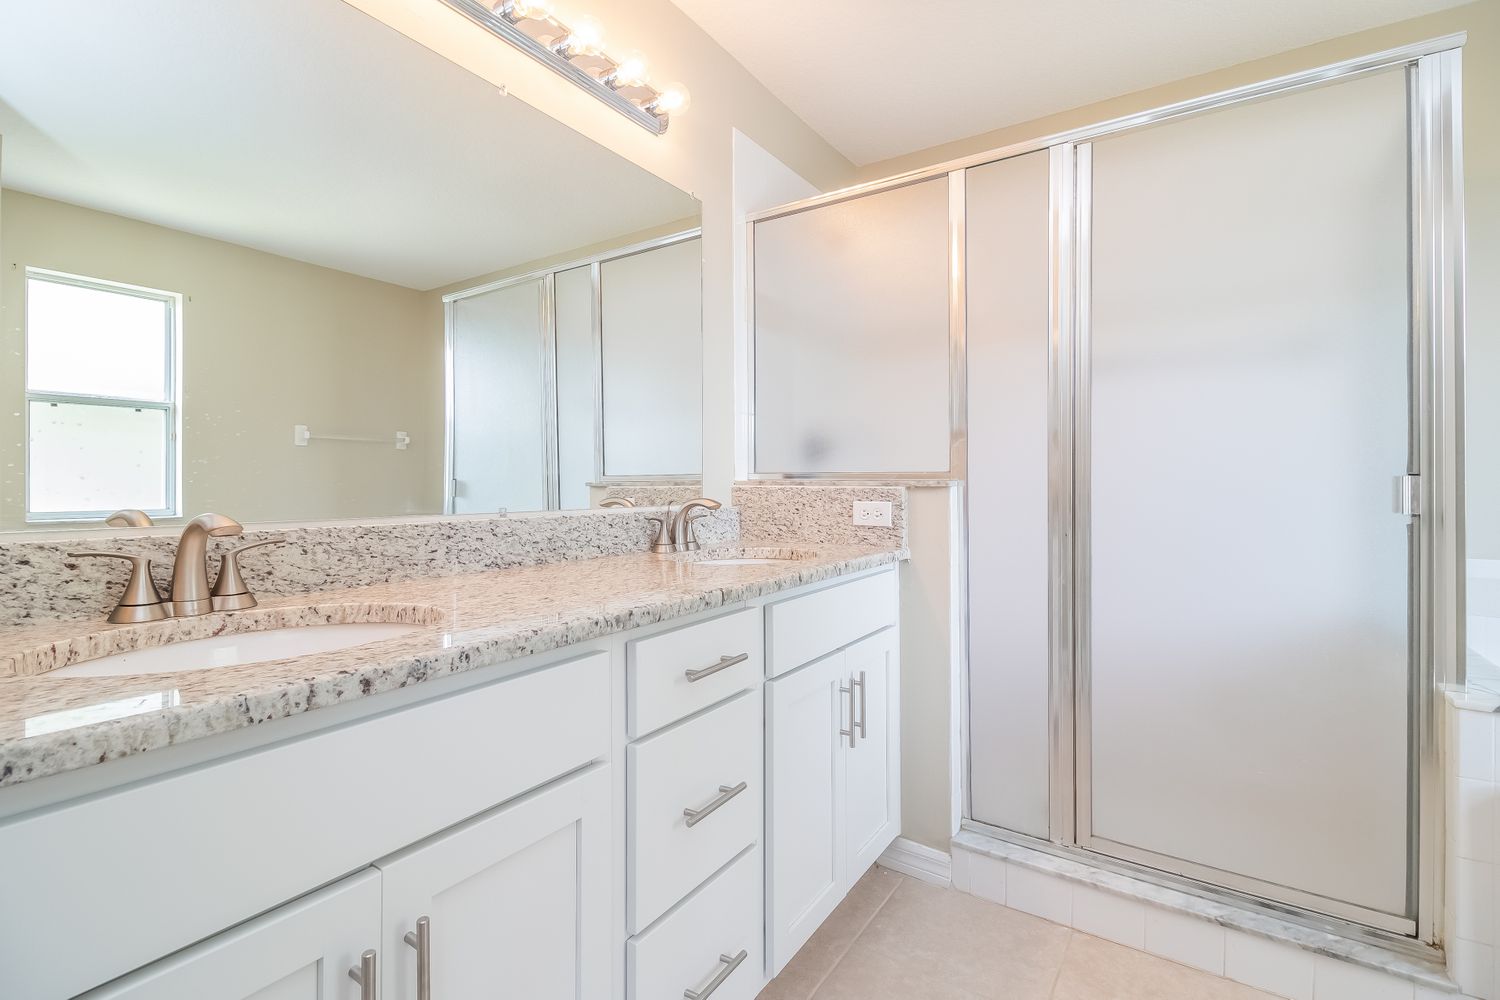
[(627, 777)]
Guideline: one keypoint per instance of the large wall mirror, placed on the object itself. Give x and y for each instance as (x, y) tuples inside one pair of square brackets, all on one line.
[(322, 273)]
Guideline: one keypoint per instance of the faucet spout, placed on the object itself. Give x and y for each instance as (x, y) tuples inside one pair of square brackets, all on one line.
[(190, 593), (682, 524)]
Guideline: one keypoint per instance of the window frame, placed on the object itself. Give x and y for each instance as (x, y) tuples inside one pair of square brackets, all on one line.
[(171, 406)]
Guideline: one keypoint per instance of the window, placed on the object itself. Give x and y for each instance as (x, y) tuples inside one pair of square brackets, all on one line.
[(101, 398)]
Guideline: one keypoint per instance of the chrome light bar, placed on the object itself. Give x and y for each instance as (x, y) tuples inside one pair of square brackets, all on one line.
[(574, 53)]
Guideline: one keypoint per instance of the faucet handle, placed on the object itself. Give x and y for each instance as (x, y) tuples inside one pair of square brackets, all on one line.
[(140, 602), (689, 540), (229, 591), (663, 541)]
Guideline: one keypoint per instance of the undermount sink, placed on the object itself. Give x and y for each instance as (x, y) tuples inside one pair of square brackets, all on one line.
[(746, 557), (237, 649)]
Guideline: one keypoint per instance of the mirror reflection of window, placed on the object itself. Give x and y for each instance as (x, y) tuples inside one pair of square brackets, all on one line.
[(101, 398)]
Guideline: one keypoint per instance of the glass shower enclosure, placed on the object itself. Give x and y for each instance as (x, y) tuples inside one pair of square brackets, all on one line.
[(1212, 490)]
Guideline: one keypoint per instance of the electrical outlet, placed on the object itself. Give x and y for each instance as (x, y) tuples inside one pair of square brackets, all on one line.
[(872, 513)]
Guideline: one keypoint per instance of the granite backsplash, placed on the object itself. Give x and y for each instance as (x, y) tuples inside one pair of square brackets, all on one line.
[(39, 582)]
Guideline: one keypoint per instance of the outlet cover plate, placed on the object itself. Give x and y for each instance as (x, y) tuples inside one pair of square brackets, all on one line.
[(872, 513)]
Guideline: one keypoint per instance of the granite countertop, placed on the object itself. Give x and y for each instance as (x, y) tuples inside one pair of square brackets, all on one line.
[(49, 725)]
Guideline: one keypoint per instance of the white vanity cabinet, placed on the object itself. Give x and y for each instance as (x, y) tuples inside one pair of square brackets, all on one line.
[(833, 753), (301, 951), (694, 810), (119, 879), (872, 776), (638, 817), (519, 896)]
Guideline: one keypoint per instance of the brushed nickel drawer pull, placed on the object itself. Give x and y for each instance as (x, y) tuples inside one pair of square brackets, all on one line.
[(726, 792), (853, 729), (421, 940), (730, 963), (864, 711), (725, 662), (366, 976)]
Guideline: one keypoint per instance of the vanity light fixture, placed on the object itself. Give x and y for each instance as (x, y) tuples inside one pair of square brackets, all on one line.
[(575, 50)]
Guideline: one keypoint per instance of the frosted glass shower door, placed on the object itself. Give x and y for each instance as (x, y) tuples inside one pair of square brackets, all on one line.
[(1245, 661), (501, 357), (1007, 255), (852, 342), (651, 346)]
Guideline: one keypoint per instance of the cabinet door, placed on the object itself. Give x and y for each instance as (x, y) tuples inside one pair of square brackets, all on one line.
[(301, 951), (518, 900), (872, 784), (805, 711)]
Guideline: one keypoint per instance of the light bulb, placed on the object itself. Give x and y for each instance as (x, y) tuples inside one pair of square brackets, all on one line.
[(631, 70), (585, 37), (527, 10), (674, 100)]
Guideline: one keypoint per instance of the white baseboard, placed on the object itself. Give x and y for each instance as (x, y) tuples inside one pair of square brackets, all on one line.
[(919, 861)]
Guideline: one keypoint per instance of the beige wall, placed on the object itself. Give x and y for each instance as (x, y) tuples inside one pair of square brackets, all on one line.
[(268, 342), (931, 647)]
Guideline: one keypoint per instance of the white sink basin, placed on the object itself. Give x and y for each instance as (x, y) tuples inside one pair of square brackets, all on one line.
[(236, 650), (745, 555)]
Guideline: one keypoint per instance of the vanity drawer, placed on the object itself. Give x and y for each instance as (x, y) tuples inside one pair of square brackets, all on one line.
[(683, 951), (804, 628), (660, 669), (697, 765)]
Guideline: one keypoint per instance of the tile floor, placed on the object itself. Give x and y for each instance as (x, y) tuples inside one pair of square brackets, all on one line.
[(895, 938)]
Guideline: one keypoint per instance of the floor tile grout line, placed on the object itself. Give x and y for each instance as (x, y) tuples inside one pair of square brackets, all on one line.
[(1057, 975), (854, 939)]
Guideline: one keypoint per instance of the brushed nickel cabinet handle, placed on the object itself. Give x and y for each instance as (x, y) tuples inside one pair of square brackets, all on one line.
[(421, 940), (725, 662), (864, 711), (726, 792), (729, 963), (849, 690), (366, 976)]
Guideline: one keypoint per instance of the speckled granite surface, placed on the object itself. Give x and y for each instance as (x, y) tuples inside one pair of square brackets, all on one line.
[(816, 512), (50, 725), (39, 583), (649, 494)]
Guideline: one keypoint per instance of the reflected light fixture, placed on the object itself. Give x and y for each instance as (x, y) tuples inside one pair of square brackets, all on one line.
[(575, 49)]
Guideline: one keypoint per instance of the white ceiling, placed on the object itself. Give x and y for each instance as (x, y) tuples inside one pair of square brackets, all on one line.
[(879, 78), (304, 128)]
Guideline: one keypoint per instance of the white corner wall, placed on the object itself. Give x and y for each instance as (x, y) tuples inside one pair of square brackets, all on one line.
[(1472, 905)]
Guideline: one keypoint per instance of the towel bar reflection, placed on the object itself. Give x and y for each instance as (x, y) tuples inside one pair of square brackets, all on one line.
[(301, 436)]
